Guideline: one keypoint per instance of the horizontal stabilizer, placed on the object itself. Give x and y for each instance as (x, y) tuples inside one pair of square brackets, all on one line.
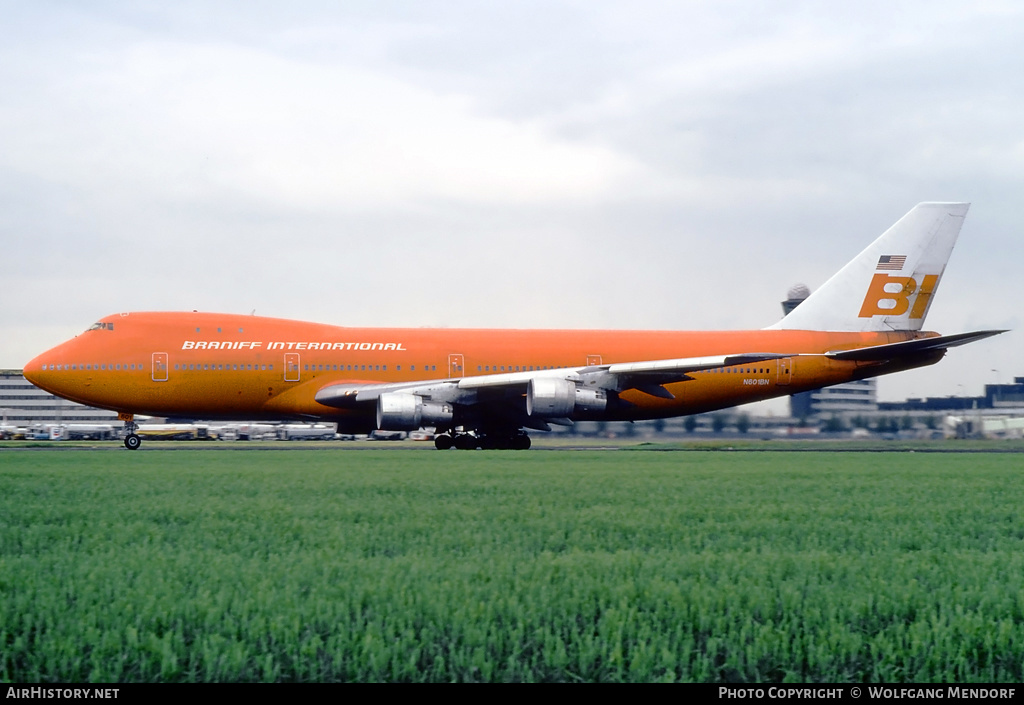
[(911, 347)]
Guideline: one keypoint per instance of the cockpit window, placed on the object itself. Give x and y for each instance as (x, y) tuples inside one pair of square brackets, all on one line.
[(102, 326)]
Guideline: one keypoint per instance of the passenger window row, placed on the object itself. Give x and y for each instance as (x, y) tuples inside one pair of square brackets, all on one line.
[(228, 367), (363, 368), (113, 367)]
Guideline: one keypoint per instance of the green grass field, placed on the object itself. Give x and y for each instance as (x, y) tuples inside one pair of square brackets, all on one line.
[(405, 565)]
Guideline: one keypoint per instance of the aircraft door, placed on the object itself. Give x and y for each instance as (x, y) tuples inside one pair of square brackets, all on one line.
[(456, 366), (785, 371), (291, 367), (159, 367), (593, 360)]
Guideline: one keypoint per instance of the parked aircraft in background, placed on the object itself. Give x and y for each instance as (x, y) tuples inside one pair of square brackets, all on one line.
[(486, 388)]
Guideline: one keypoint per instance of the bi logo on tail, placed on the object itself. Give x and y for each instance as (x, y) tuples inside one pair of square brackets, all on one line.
[(899, 293)]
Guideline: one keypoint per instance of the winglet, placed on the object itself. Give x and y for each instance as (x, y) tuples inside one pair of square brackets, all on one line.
[(890, 285)]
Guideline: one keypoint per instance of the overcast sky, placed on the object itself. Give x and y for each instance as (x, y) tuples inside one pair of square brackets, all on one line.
[(667, 165)]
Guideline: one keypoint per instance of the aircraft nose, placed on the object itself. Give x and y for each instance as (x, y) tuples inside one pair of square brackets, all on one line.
[(36, 370), (44, 370)]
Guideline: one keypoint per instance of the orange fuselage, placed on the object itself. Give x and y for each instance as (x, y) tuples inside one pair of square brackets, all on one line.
[(226, 366)]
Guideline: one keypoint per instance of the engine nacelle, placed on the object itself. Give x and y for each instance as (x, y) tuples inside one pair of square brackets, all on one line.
[(591, 400), (407, 412), (551, 398)]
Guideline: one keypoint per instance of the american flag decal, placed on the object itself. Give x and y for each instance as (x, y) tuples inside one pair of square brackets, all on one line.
[(891, 262)]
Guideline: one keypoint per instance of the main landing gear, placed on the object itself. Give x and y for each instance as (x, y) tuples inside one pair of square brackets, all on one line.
[(132, 440), (515, 440)]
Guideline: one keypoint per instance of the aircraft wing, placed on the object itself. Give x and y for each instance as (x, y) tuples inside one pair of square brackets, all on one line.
[(505, 390), (647, 376)]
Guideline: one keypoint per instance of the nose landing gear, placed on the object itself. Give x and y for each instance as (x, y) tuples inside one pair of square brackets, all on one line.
[(132, 440)]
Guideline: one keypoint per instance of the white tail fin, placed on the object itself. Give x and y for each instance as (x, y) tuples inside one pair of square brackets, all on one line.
[(890, 285)]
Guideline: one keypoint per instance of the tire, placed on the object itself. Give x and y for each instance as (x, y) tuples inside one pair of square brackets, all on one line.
[(132, 441), (466, 441), (521, 442)]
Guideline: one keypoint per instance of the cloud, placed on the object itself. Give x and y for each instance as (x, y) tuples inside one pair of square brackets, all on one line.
[(187, 123)]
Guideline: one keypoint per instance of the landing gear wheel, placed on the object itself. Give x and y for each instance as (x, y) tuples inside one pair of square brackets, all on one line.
[(131, 440), (521, 442), (443, 442), (466, 441)]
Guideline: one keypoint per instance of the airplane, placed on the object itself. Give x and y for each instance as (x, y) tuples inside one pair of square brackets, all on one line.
[(488, 388)]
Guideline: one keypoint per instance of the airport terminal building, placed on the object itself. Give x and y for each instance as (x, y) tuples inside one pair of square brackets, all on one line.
[(24, 405), (848, 399)]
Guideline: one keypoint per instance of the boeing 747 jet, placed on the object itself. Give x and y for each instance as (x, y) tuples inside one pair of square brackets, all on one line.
[(488, 388)]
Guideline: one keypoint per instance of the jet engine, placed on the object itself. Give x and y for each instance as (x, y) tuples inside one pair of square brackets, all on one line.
[(560, 398), (407, 412)]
